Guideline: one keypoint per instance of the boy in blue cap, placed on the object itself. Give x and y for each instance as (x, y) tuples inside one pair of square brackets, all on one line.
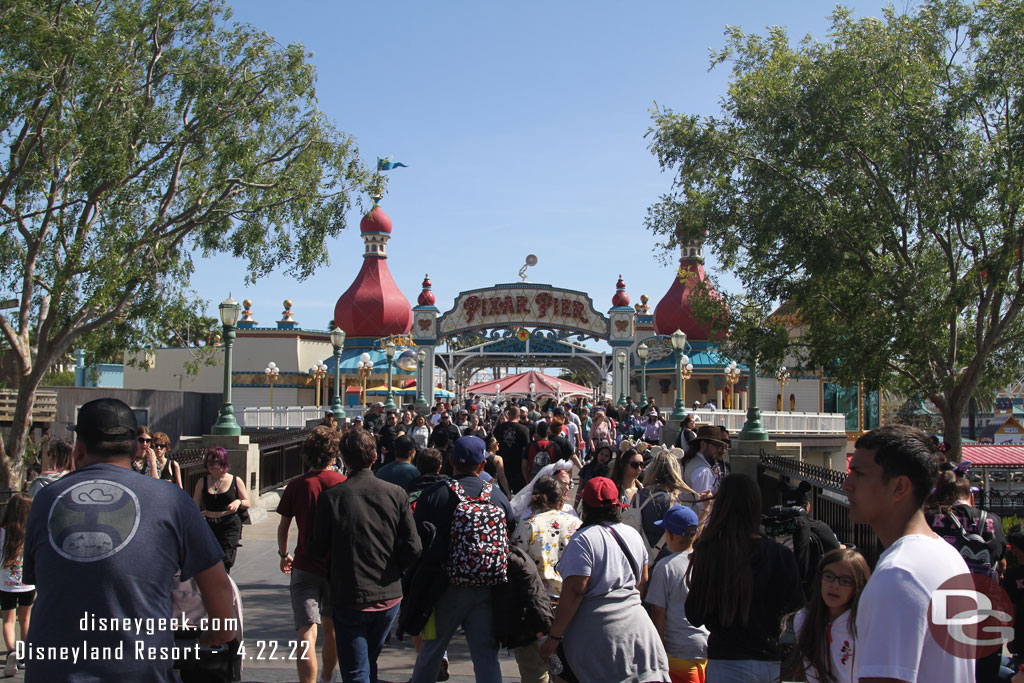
[(685, 644)]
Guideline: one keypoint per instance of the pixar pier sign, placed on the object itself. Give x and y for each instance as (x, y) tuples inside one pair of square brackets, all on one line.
[(524, 304)]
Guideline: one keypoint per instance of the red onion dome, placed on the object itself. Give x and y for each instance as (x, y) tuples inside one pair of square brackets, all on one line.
[(373, 306), (620, 298), (375, 220), (426, 297), (675, 310)]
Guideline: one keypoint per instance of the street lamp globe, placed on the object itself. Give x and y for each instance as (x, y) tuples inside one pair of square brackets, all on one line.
[(406, 360), (642, 351), (389, 350), (364, 357), (678, 339), (421, 356), (230, 310), (338, 336)]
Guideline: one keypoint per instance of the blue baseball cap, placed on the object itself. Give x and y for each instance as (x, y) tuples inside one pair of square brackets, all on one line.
[(469, 450), (678, 519)]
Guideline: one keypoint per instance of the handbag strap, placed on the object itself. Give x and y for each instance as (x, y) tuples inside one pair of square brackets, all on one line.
[(625, 551)]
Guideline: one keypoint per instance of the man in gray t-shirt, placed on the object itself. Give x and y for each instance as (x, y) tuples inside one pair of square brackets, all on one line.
[(103, 545)]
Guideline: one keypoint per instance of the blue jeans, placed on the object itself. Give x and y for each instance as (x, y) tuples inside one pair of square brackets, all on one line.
[(471, 609), (742, 671), (360, 637)]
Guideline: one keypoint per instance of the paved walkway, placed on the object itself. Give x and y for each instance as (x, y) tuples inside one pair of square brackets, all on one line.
[(268, 617)]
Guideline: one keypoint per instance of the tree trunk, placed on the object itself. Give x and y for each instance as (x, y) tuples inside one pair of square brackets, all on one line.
[(10, 467), (952, 415), (972, 419)]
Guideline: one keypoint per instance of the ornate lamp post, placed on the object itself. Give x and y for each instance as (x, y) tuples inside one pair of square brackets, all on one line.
[(226, 424), (732, 377), (687, 373), (678, 339), (753, 430), (271, 371), (782, 374), (641, 352), (318, 372), (338, 342), (497, 394), (620, 356), (365, 370), (421, 357), (389, 351)]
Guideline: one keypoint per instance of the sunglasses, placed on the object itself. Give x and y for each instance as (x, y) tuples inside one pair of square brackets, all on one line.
[(161, 445), (145, 440), (637, 465), (844, 581)]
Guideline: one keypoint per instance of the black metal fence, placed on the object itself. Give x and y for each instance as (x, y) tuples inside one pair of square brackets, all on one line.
[(828, 502), (1002, 503), (281, 458)]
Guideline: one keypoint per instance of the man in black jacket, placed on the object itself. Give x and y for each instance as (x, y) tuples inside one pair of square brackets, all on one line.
[(365, 526), (451, 431), (812, 538)]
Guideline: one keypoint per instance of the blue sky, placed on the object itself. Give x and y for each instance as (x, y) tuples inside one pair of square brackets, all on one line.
[(522, 125)]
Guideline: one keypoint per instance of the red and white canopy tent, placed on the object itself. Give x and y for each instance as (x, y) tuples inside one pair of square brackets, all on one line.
[(519, 385), (994, 455)]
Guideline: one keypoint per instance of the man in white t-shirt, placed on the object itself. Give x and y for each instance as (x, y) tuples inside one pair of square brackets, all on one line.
[(892, 472)]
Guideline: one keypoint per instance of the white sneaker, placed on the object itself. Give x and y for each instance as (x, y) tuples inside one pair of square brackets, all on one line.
[(11, 667)]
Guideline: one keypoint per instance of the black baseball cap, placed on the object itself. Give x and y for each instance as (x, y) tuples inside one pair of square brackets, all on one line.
[(106, 419)]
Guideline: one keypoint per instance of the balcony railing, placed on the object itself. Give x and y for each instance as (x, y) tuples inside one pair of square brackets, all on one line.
[(286, 417), (776, 422)]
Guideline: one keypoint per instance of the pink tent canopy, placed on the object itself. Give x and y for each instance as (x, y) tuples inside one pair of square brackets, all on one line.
[(519, 385)]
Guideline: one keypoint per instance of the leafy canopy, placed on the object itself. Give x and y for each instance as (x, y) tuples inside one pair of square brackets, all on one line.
[(872, 182), (138, 132)]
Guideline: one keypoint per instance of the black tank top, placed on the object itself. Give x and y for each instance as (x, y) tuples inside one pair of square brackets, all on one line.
[(218, 502)]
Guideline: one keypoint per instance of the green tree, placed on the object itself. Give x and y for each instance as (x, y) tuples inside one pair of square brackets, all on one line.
[(136, 133), (872, 182)]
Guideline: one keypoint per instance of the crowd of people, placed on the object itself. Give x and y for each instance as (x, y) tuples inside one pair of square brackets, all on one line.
[(589, 548)]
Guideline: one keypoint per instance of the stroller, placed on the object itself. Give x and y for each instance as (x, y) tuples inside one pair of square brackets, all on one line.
[(221, 664)]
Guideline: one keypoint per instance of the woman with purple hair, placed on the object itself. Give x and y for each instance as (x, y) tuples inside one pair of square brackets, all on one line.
[(222, 497)]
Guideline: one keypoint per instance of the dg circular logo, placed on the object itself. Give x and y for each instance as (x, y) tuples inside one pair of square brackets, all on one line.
[(93, 520), (971, 616)]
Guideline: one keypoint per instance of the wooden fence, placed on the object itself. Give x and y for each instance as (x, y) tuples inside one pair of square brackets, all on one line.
[(44, 409)]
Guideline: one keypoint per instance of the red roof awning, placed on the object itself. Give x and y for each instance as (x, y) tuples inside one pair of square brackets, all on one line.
[(519, 385), (988, 455)]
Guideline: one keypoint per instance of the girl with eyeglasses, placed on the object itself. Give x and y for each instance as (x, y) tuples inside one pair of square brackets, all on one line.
[(626, 474), (826, 628)]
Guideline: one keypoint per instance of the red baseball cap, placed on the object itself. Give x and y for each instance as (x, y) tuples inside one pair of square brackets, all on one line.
[(601, 492)]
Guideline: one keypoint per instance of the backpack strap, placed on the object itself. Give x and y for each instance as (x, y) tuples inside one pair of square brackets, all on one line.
[(625, 551), (455, 487)]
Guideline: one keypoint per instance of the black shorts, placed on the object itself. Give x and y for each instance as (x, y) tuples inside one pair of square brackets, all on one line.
[(9, 601)]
